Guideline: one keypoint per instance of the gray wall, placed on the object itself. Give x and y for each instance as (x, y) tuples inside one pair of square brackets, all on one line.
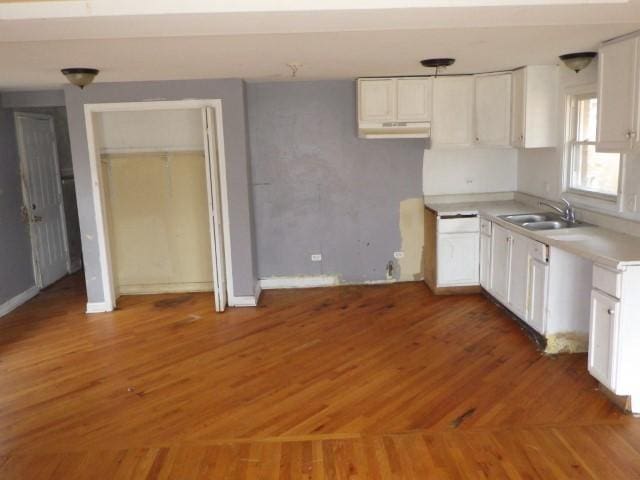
[(319, 188), (232, 94), (16, 268), (33, 98)]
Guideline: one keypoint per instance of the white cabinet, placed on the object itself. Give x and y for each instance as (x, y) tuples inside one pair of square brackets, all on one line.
[(492, 108), (534, 106), (457, 250), (537, 295), (603, 333), (619, 96), (453, 111), (376, 100), (457, 259), (394, 99), (485, 254), (500, 263), (614, 331), (414, 99), (518, 275)]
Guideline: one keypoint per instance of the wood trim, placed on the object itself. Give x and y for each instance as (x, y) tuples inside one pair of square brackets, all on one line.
[(464, 290)]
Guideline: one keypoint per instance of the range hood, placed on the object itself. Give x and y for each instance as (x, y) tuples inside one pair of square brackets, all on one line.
[(394, 130)]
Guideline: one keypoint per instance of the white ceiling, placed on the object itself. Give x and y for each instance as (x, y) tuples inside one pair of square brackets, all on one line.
[(329, 43)]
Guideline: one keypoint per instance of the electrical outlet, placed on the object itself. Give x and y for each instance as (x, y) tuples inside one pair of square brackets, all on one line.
[(398, 255), (316, 257)]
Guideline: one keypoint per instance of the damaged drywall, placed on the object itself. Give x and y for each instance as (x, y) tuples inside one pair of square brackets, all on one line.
[(412, 234), (567, 342)]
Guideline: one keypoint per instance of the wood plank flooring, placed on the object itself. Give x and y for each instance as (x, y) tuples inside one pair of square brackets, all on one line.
[(381, 382)]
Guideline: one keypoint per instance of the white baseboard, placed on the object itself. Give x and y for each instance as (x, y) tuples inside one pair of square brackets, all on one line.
[(18, 300), (245, 301), (299, 282), (96, 307)]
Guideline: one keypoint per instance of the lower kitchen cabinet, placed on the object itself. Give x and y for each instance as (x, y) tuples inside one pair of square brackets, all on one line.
[(458, 259), (614, 334), (537, 297), (518, 274), (500, 263), (451, 253), (603, 338)]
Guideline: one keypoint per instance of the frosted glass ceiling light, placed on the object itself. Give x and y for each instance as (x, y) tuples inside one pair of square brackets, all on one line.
[(80, 76), (578, 61)]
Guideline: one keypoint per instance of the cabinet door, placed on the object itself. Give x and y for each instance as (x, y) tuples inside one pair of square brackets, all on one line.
[(603, 333), (617, 103), (517, 108), (518, 275), (376, 100), (453, 111), (414, 99), (500, 260), (537, 296), (485, 261), (458, 262), (493, 110)]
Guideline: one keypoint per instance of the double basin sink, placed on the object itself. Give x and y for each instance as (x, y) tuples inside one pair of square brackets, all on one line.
[(541, 221)]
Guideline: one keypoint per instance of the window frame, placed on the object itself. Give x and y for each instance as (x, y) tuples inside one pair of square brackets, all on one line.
[(571, 142)]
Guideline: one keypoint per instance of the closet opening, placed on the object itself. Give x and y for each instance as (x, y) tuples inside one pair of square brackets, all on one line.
[(160, 198)]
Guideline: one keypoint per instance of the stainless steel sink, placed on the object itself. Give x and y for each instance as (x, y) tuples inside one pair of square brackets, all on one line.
[(520, 219), (541, 221), (548, 225)]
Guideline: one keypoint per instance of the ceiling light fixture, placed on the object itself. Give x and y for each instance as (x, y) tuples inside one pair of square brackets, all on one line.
[(80, 76), (578, 61), (437, 63)]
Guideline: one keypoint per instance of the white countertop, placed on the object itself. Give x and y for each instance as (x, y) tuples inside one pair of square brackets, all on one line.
[(600, 245)]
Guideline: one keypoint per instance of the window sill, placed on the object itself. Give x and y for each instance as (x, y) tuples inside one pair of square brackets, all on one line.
[(598, 202)]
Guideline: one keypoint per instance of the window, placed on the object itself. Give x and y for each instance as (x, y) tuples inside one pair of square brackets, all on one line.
[(590, 172)]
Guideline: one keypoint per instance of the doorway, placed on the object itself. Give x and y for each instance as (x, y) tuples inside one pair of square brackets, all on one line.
[(158, 195), (43, 197)]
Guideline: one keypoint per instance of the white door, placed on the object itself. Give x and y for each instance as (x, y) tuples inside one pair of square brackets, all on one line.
[(453, 111), (414, 99), (43, 196), (215, 209), (517, 108), (519, 275), (603, 332), (376, 100), (493, 110), (485, 261), (537, 297), (618, 80), (458, 259)]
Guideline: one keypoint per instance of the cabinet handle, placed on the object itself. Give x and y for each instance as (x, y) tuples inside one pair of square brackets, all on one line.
[(630, 134), (611, 311)]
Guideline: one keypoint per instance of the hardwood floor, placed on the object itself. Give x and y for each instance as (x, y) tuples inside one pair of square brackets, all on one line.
[(378, 382)]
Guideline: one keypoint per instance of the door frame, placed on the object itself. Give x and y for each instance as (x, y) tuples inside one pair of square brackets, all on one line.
[(100, 201), (26, 194)]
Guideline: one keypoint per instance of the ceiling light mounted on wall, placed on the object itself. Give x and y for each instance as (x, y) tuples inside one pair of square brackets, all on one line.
[(80, 76), (437, 63), (578, 61)]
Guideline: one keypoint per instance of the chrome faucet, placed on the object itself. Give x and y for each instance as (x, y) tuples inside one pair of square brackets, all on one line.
[(568, 212)]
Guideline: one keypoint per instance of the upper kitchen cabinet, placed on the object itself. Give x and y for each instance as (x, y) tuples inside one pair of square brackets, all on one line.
[(414, 99), (376, 100), (619, 96), (534, 106), (453, 111), (394, 107), (493, 110)]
